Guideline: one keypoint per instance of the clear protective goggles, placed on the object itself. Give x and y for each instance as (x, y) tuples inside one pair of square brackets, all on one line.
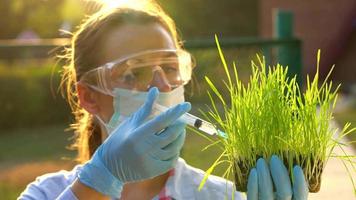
[(139, 71)]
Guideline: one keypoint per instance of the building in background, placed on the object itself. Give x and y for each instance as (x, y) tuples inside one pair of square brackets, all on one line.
[(326, 25)]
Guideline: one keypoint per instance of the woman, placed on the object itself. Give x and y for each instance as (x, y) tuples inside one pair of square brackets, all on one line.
[(123, 62)]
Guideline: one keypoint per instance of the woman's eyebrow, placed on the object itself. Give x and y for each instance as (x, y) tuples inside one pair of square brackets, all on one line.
[(163, 55)]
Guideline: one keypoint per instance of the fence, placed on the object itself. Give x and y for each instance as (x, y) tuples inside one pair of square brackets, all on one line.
[(284, 48)]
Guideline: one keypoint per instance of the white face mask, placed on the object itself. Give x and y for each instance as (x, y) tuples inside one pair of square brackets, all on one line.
[(126, 102)]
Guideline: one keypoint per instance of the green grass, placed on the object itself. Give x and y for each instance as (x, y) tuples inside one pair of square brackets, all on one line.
[(37, 144), (348, 115), (271, 115), (23, 146), (9, 191)]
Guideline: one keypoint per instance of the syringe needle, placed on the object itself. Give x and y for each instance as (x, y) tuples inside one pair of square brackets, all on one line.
[(196, 122)]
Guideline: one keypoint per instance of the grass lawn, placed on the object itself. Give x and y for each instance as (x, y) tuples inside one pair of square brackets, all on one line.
[(27, 153), (37, 144)]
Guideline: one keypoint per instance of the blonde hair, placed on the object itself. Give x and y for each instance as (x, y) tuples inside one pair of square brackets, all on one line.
[(80, 57)]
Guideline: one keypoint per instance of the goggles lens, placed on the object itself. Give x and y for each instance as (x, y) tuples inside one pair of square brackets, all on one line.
[(140, 71)]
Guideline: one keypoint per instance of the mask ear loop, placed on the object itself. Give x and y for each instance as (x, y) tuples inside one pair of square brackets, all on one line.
[(101, 121)]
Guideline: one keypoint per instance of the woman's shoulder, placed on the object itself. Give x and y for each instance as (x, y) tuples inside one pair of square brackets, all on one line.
[(185, 182), (62, 176), (49, 186)]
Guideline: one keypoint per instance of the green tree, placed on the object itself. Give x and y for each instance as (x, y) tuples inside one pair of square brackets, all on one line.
[(204, 18), (195, 18), (42, 16)]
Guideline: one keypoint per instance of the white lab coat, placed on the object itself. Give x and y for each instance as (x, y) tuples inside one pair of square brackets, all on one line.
[(182, 185)]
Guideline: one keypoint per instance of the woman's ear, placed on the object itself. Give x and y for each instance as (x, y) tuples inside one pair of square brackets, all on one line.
[(87, 98)]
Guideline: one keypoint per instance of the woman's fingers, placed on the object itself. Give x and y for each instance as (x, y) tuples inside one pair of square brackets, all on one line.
[(252, 185), (281, 179), (265, 185), (170, 141), (170, 163), (177, 144), (145, 110), (173, 148), (165, 119), (300, 186), (171, 133)]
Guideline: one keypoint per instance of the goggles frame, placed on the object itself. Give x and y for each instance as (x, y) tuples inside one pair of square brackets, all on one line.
[(100, 78)]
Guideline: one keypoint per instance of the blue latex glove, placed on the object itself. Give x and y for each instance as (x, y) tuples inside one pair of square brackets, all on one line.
[(138, 149), (261, 180)]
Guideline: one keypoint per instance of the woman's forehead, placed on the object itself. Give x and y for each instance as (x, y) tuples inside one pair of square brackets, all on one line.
[(133, 39)]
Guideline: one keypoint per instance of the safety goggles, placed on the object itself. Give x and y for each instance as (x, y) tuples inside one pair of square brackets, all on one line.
[(139, 71)]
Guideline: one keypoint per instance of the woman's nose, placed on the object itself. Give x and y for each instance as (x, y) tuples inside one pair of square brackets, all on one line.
[(160, 81)]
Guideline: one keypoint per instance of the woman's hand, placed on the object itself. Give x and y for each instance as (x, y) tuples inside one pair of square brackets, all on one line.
[(261, 180), (137, 149)]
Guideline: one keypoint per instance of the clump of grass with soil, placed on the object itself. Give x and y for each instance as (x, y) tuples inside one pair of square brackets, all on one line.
[(271, 115)]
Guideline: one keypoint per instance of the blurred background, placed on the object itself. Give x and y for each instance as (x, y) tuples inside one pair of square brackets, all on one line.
[(35, 117)]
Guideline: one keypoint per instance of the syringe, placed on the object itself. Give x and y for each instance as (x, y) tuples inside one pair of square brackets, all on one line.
[(196, 122)]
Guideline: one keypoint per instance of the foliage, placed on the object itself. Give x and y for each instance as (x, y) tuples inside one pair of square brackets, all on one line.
[(235, 17), (230, 18), (9, 192), (28, 97), (208, 65), (271, 115), (42, 17)]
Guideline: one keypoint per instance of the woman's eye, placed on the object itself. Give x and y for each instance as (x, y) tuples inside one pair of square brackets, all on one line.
[(138, 73), (170, 70), (129, 78)]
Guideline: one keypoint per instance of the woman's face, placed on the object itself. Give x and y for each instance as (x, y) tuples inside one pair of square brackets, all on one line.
[(130, 39)]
